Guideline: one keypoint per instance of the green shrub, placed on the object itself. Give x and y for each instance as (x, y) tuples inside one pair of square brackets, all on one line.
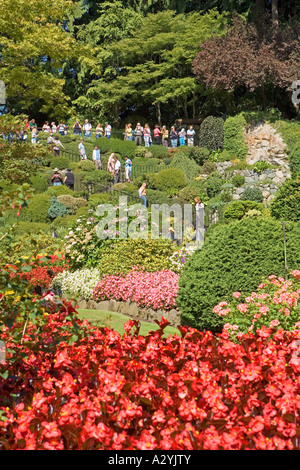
[(158, 151), (122, 147), (121, 256), (59, 190), (186, 164), (23, 228), (234, 142), (72, 203), (208, 167), (39, 183), (213, 184), (188, 194), (96, 199), (83, 211), (199, 154), (235, 257), (37, 209), (212, 133), (286, 204), (252, 194), (260, 166), (157, 197), (170, 179), (56, 209), (86, 165), (66, 221), (238, 180), (59, 162), (236, 210)]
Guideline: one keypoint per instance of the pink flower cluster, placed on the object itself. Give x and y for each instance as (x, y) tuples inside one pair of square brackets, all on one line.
[(157, 290)]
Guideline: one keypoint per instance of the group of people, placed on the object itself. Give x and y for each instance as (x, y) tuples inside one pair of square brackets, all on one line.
[(161, 135), (67, 178), (141, 135), (114, 168)]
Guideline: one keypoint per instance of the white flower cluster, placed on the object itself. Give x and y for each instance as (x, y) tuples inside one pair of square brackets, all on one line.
[(180, 257), (78, 283)]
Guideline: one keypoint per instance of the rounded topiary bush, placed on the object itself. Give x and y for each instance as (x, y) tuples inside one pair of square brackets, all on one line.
[(236, 210), (37, 209), (252, 194), (183, 162), (286, 204), (235, 257), (59, 162), (86, 165), (212, 133), (170, 178)]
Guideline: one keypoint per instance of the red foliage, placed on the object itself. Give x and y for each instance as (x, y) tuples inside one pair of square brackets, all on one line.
[(104, 391)]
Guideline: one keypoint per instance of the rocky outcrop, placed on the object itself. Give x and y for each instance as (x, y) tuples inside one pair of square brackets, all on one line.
[(264, 144)]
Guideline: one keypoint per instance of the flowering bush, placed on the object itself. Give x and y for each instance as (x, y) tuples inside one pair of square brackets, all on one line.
[(273, 306), (157, 290), (41, 270), (180, 257), (195, 392), (78, 283)]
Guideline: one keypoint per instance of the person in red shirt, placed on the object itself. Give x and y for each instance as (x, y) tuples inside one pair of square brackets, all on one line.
[(156, 133)]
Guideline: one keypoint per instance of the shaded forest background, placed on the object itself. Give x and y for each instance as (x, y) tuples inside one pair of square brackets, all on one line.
[(155, 61)]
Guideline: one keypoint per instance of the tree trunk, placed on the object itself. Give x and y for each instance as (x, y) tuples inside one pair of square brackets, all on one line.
[(158, 113), (275, 12), (259, 14)]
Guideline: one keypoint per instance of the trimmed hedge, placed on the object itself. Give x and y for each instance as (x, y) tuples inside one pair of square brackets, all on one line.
[(234, 142), (212, 133), (286, 204), (235, 257)]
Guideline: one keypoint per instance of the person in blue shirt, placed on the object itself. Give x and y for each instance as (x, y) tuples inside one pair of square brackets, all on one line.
[(81, 149), (128, 169), (97, 158)]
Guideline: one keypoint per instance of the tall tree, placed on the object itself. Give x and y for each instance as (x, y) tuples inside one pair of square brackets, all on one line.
[(246, 59), (153, 66), (33, 46)]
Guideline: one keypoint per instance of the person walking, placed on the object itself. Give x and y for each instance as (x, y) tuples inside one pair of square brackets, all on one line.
[(107, 130), (111, 164), (97, 158), (56, 178), (142, 194), (117, 170), (81, 149), (190, 136), (199, 207), (69, 179), (56, 144), (128, 169), (138, 134)]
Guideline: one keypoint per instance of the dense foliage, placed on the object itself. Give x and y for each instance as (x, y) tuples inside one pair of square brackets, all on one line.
[(235, 257)]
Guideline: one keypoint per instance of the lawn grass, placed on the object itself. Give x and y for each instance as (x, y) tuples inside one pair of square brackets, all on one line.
[(116, 321)]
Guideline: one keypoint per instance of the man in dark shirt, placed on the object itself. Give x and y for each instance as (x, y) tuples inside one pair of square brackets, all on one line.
[(69, 179)]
